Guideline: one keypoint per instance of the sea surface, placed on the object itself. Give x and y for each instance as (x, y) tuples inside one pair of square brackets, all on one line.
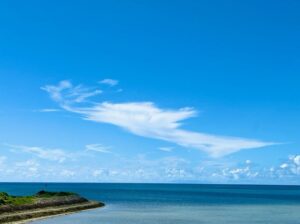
[(176, 203)]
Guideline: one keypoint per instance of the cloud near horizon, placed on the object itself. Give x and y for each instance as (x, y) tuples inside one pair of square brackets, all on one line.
[(56, 155), (147, 120)]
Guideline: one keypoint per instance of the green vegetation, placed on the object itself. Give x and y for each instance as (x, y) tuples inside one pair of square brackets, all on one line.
[(47, 194), (6, 199), (41, 204)]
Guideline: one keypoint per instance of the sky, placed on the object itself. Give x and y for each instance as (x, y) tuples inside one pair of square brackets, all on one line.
[(150, 91)]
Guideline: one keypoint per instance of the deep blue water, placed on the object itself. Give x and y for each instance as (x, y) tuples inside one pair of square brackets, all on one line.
[(176, 204)]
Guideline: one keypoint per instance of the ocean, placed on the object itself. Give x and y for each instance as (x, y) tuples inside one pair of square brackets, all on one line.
[(175, 203)]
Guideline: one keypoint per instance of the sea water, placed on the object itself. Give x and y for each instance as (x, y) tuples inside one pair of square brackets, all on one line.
[(175, 203)]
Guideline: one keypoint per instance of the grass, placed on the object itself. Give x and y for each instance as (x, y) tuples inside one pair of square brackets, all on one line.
[(6, 199), (48, 194)]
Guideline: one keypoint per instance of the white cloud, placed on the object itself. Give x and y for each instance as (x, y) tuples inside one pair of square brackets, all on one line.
[(55, 91), (28, 163), (288, 169), (57, 155), (295, 159), (97, 148), (98, 173), (67, 173), (147, 120), (239, 173), (145, 169), (295, 164), (28, 168), (2, 163), (141, 168), (82, 97), (2, 159), (284, 166), (48, 110), (166, 149), (110, 82), (176, 173), (68, 93)]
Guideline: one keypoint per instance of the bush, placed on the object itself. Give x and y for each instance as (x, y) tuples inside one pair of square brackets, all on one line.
[(6, 199), (53, 194)]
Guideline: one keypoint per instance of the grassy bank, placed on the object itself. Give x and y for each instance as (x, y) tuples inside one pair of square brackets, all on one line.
[(19, 208), (6, 199)]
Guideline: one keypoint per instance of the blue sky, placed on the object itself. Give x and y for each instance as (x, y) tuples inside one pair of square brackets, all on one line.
[(131, 91)]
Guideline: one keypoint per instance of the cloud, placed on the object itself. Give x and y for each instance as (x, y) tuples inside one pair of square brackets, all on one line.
[(2, 163), (166, 149), (176, 173), (65, 91), (110, 82), (57, 155), (49, 110), (2, 159), (290, 169), (284, 166), (55, 92), (97, 148), (242, 172), (235, 173), (295, 159), (97, 173), (28, 163), (141, 168), (28, 168), (147, 120), (67, 173), (294, 164)]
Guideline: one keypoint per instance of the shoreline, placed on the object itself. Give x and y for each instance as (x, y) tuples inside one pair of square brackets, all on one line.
[(27, 221), (23, 209), (27, 216)]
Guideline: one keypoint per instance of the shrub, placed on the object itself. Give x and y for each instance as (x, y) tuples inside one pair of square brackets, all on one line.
[(53, 194)]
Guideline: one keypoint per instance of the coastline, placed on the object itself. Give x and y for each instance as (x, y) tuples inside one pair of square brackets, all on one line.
[(31, 215), (27, 221), (176, 204), (42, 205)]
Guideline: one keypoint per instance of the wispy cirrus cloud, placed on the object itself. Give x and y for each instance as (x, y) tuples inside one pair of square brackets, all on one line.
[(65, 91), (166, 149), (57, 155), (110, 82), (97, 148), (48, 110), (147, 120)]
